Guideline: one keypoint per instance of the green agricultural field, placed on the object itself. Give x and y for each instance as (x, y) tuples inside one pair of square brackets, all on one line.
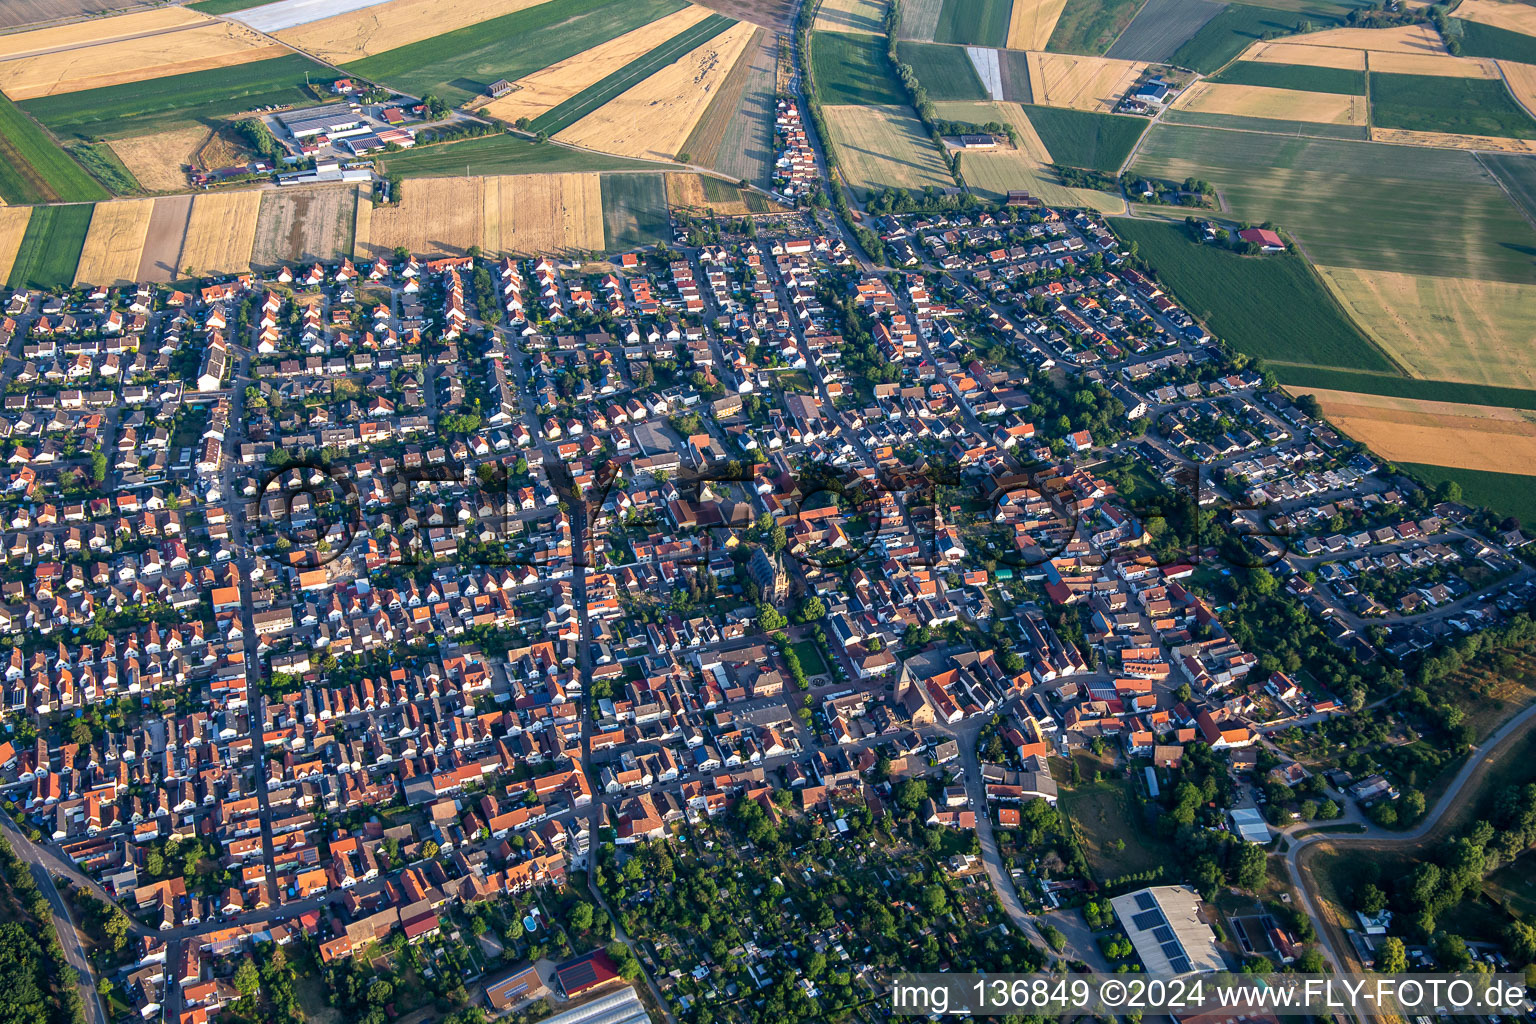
[(1081, 138), (1479, 40), (103, 163), (1434, 103), (1231, 31), (977, 22), (458, 65), (50, 249), (33, 169), (853, 69), (226, 6), (1274, 126), (1292, 76), (1091, 26), (1394, 386), (1517, 174), (161, 103), (1409, 208), (499, 154), (945, 71), (1508, 494), (724, 193), (1273, 307), (636, 71), (635, 210)]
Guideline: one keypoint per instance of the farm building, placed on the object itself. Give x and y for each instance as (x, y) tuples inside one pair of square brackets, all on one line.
[(499, 88), (1264, 238), (336, 120)]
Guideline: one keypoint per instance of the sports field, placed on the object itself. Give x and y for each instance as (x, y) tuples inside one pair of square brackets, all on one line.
[(1082, 83), (978, 22), (458, 65), (33, 169), (50, 248), (542, 91), (653, 119), (632, 74), (1457, 106), (179, 100), (497, 154), (1090, 26), (1272, 307), (634, 210), (879, 147), (945, 71), (1477, 437), (1411, 210), (1077, 138), (1265, 102), (735, 135), (114, 242), (1445, 328), (853, 68)]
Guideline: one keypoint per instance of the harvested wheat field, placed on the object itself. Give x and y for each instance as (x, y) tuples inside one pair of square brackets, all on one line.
[(1006, 113), (1306, 56), (1444, 328), (1438, 433), (1280, 104), (867, 16), (654, 119), (1082, 83), (1510, 17), (1521, 80), (159, 161), (115, 242), (304, 225), (544, 90), (879, 147), (543, 213), (1031, 23), (1445, 140), (220, 232), (362, 226), (1446, 66), (13, 225), (196, 47), (363, 33), (445, 215), (1403, 39), (122, 26)]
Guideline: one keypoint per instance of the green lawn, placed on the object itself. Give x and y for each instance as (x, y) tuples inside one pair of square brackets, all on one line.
[(634, 210), (161, 103), (33, 169), (1507, 494), (1090, 26), (1478, 40), (1406, 208), (1107, 813), (1082, 138), (50, 249), (945, 71), (1434, 103), (458, 65), (1231, 31), (636, 71), (977, 22), (498, 154), (811, 661), (1405, 387), (1293, 76), (853, 69), (1273, 307)]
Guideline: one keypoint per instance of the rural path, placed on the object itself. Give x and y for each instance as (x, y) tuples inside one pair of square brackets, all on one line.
[(44, 51)]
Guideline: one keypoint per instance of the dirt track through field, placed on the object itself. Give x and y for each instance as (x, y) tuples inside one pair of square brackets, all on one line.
[(162, 242)]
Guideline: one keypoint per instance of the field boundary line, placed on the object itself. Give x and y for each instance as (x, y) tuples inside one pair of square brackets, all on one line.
[(1139, 8), (1477, 155)]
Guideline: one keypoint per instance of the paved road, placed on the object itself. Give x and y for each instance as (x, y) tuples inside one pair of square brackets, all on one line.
[(63, 920)]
